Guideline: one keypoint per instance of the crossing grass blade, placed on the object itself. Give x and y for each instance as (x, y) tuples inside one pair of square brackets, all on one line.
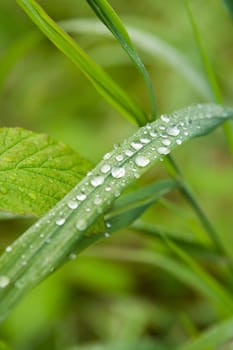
[(213, 338), (130, 206), (101, 80), (149, 44), (48, 243), (109, 17), (229, 6)]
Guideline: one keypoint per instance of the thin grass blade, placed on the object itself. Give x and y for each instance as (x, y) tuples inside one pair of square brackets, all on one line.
[(102, 82), (109, 17)]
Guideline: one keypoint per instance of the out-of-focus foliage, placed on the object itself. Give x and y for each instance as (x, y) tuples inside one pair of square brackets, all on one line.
[(95, 299)]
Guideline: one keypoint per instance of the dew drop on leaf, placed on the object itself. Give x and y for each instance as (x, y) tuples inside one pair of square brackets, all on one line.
[(4, 281), (81, 197), (118, 172), (142, 161), (81, 225), (163, 150), (119, 157), (136, 145), (97, 181), (8, 249), (72, 204), (128, 152), (60, 221), (173, 131), (105, 168)]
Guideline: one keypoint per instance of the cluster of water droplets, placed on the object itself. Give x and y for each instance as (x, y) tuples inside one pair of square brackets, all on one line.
[(97, 190)]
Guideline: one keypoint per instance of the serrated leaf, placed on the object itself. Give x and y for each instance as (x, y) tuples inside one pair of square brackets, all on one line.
[(48, 243), (36, 171), (103, 83)]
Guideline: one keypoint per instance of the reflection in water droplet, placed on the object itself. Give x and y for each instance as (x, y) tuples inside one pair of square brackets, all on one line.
[(165, 118), (72, 204), (8, 249), (128, 152), (105, 168), (81, 225), (97, 181), (4, 281), (119, 157), (81, 197), (145, 140), (166, 142), (60, 221), (173, 131), (136, 145), (118, 172), (163, 150), (142, 161)]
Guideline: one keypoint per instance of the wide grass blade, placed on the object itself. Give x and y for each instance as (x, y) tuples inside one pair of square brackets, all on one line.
[(109, 17), (49, 243), (213, 338), (150, 44), (102, 82)]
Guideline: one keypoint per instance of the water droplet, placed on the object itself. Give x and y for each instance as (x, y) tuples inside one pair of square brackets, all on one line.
[(173, 131), (136, 145), (81, 225), (108, 225), (162, 127), (106, 234), (163, 150), (60, 221), (97, 200), (166, 142), (108, 188), (88, 210), (107, 156), (105, 168), (153, 133), (119, 157), (41, 235), (4, 281), (72, 204), (142, 161), (128, 152), (144, 140), (148, 126), (165, 118), (97, 181), (81, 197), (186, 133), (72, 256), (179, 142), (118, 172), (8, 249)]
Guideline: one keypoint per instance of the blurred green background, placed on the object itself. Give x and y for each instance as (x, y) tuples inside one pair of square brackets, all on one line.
[(99, 298)]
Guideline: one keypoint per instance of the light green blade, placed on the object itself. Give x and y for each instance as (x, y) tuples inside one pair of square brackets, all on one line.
[(102, 82), (48, 243)]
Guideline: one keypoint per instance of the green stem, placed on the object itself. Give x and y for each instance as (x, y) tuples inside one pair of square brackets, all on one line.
[(190, 197)]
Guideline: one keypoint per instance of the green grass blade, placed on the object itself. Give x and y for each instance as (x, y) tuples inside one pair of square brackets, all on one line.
[(229, 6), (130, 206), (150, 44), (217, 96), (175, 268), (49, 243), (102, 82), (213, 338), (36, 171), (109, 17)]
